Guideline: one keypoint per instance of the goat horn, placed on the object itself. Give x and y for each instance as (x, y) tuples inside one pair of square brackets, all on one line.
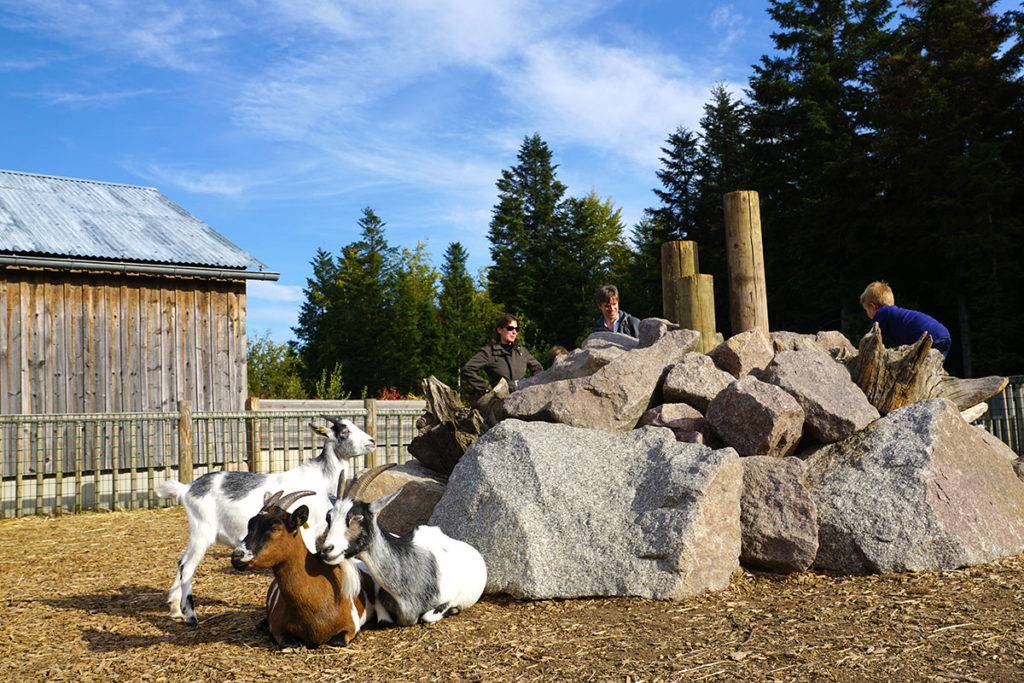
[(272, 500), (363, 481), (292, 497), (341, 485)]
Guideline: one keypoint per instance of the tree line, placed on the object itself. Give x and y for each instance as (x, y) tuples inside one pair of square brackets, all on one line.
[(884, 144)]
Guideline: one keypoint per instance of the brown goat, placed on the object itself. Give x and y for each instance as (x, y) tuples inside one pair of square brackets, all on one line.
[(309, 602)]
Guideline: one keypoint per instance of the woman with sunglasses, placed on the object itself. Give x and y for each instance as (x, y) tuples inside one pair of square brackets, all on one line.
[(505, 357)]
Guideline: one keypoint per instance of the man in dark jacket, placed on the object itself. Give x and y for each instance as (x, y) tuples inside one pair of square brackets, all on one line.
[(505, 357), (612, 319)]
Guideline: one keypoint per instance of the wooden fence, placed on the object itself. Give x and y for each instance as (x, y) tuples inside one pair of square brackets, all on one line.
[(57, 464)]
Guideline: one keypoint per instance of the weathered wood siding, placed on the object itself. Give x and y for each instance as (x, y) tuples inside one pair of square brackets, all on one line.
[(108, 343)]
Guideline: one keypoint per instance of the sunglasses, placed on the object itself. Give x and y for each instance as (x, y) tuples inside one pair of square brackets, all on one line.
[(512, 328)]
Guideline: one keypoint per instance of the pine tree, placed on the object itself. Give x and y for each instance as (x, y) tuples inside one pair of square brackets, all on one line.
[(723, 166), (951, 101), (523, 226), (457, 314), (810, 144), (314, 343)]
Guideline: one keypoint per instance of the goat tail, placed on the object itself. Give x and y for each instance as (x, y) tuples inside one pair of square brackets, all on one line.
[(172, 487)]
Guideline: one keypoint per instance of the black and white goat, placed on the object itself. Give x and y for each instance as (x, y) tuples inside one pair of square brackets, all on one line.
[(426, 574), (309, 601), (220, 504)]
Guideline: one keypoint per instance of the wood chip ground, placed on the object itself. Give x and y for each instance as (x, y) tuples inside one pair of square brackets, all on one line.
[(82, 598)]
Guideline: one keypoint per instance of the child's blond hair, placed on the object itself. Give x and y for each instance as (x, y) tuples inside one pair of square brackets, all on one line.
[(878, 293)]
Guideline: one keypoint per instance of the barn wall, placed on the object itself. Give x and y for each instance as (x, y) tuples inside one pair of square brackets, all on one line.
[(95, 343)]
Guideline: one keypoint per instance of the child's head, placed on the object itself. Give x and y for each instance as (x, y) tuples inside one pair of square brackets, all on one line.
[(554, 354), (876, 295)]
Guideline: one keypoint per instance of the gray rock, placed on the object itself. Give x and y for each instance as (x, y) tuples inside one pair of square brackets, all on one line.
[(695, 380), (421, 489), (917, 490), (756, 418), (651, 330), (794, 341), (834, 407), (613, 398), (601, 340), (778, 517), (577, 363), (740, 354), (685, 421), (837, 345), (562, 512)]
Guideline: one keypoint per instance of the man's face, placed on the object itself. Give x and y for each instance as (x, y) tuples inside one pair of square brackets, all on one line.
[(610, 308)]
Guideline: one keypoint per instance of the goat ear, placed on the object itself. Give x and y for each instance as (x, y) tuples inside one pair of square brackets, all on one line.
[(298, 517), (381, 503)]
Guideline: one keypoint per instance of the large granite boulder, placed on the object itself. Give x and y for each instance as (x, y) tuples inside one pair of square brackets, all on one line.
[(742, 353), (756, 418), (834, 407), (684, 420), (563, 512), (613, 398), (694, 380), (577, 363), (917, 490), (778, 517)]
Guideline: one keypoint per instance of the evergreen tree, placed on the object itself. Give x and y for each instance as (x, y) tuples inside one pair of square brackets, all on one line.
[(359, 319), (810, 143), (316, 347), (523, 226), (458, 315), (672, 220), (950, 111), (723, 167)]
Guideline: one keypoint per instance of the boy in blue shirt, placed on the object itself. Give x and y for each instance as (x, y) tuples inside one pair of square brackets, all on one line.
[(901, 326)]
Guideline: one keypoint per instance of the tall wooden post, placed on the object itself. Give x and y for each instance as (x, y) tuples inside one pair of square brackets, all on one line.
[(253, 442), (748, 297), (184, 442), (371, 427), (688, 297)]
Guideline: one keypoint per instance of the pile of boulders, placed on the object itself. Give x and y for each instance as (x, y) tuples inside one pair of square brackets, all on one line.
[(641, 467)]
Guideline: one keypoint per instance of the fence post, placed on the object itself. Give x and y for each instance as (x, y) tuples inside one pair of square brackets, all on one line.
[(370, 404), (185, 442), (253, 447), (688, 297), (748, 297)]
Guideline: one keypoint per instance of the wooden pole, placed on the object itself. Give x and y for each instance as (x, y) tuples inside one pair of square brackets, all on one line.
[(371, 427), (184, 442), (698, 312), (748, 298), (678, 259), (254, 446), (688, 297)]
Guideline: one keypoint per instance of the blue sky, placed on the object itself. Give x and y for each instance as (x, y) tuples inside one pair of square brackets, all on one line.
[(277, 121)]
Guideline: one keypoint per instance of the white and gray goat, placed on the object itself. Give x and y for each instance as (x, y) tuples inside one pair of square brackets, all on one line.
[(309, 601), (220, 504), (425, 575)]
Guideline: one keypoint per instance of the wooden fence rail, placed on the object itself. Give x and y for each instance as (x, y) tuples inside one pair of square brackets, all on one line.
[(58, 464)]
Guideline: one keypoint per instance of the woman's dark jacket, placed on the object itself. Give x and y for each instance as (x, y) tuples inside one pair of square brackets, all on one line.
[(497, 360)]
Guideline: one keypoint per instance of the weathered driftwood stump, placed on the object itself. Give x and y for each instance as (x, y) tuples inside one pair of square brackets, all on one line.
[(447, 427), (893, 378)]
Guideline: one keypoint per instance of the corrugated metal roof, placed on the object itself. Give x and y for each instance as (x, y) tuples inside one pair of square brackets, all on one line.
[(65, 217)]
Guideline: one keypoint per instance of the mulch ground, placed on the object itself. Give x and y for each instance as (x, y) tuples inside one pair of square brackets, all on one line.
[(83, 598)]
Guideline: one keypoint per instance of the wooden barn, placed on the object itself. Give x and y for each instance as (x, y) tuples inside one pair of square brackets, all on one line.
[(115, 299)]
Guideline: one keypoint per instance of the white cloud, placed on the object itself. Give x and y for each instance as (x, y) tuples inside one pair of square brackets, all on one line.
[(95, 98), (730, 23), (610, 98), (267, 290)]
